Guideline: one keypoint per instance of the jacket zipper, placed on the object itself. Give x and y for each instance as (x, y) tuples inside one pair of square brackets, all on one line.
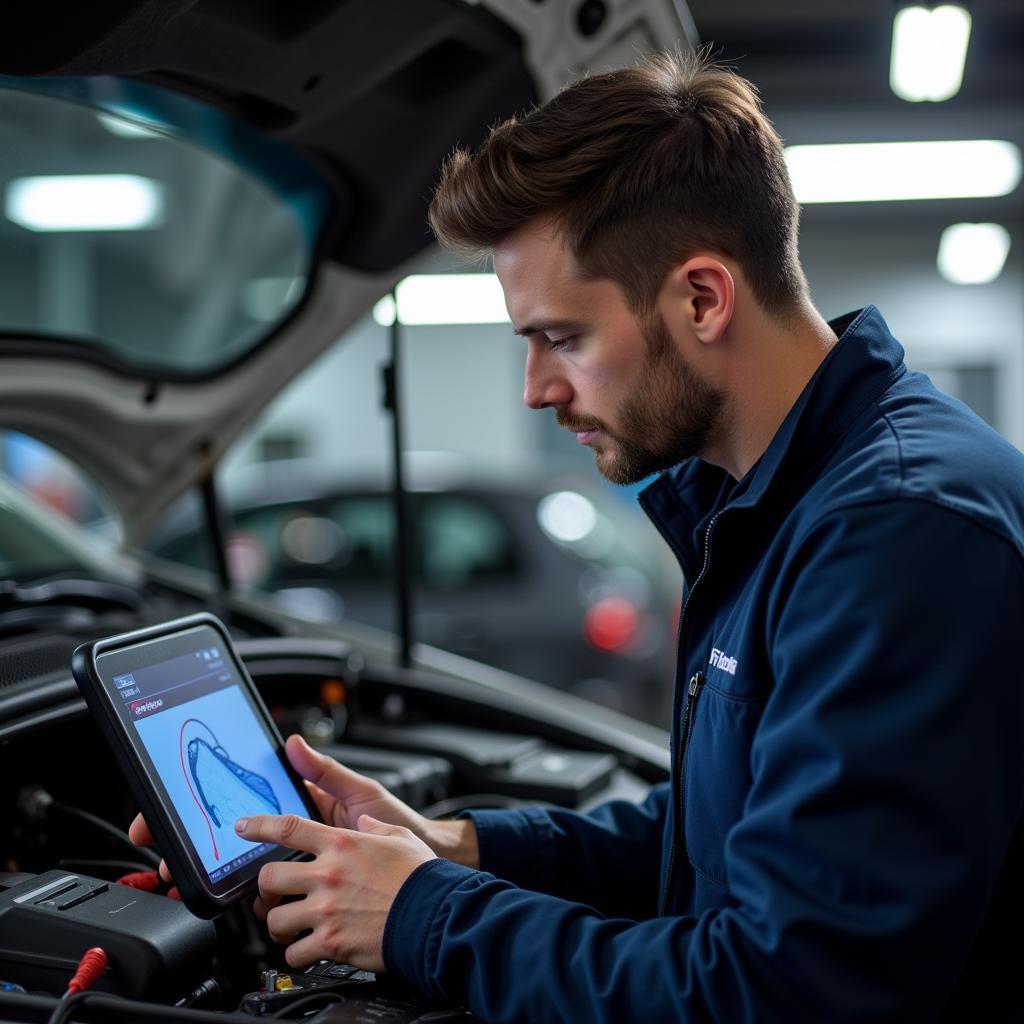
[(692, 693)]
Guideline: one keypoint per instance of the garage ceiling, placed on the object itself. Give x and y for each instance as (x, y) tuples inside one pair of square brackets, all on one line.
[(829, 52), (822, 67)]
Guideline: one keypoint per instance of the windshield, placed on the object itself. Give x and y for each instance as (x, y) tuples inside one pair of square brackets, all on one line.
[(170, 256)]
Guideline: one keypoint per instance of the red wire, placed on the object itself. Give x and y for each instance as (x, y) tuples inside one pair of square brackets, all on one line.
[(181, 754), (90, 967), (149, 881)]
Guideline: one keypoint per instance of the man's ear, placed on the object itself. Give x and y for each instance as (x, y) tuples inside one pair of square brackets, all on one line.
[(703, 291)]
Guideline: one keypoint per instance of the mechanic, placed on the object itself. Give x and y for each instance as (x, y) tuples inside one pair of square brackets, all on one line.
[(837, 839)]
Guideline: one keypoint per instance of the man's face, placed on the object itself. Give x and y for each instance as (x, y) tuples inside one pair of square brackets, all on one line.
[(621, 385)]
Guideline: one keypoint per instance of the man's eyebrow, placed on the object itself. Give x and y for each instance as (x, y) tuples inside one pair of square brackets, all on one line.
[(546, 325)]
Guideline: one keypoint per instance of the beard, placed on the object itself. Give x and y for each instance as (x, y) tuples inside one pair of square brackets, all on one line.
[(671, 415)]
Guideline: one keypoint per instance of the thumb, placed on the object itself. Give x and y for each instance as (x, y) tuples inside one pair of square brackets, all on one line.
[(323, 771), (378, 828)]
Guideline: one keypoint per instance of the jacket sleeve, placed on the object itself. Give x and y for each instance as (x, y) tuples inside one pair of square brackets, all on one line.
[(573, 855), (887, 782)]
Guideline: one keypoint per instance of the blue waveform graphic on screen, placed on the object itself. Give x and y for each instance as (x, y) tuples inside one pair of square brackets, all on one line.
[(228, 790)]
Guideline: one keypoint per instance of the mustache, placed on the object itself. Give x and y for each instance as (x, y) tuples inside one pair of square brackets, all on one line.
[(577, 424)]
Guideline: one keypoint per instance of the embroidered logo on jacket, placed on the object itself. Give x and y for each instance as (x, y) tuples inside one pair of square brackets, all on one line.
[(722, 661)]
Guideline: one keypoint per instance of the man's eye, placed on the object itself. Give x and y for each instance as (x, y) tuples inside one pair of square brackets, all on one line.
[(561, 342)]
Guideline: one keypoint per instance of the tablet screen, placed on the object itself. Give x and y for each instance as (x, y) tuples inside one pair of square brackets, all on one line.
[(193, 720)]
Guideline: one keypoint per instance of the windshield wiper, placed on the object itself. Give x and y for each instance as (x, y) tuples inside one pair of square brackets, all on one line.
[(90, 595), (61, 604)]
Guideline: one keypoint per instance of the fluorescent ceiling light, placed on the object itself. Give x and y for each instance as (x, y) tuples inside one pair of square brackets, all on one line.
[(85, 202), (929, 47), (445, 299), (880, 171), (973, 253)]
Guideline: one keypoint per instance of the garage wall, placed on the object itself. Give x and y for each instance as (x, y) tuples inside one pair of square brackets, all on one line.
[(461, 388), (970, 338), (466, 381)]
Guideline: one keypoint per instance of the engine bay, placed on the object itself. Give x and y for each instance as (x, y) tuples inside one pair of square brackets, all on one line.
[(70, 879)]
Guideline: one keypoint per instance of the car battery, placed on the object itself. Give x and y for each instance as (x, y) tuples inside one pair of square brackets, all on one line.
[(417, 779), (501, 763), (156, 947)]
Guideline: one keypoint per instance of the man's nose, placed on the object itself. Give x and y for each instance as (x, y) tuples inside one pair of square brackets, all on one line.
[(543, 383)]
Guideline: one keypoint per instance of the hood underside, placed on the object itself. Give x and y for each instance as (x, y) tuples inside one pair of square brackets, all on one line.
[(373, 94)]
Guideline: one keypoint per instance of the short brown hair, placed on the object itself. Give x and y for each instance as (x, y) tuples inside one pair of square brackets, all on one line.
[(640, 168)]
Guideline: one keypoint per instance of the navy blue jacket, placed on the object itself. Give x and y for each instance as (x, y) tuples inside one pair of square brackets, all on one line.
[(841, 837)]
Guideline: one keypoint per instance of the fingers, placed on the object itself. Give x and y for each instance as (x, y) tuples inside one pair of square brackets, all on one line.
[(286, 830), (380, 828), (345, 893), (326, 804), (262, 905), (138, 832), (304, 952), (140, 835), (282, 878), (276, 882), (340, 782), (286, 921)]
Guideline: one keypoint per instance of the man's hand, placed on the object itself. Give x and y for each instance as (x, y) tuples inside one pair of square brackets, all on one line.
[(139, 834), (342, 796), (347, 890)]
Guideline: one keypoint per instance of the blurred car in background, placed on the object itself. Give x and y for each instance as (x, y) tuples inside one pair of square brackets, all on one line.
[(552, 580)]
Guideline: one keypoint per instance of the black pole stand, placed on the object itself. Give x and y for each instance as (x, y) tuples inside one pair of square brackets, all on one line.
[(216, 532), (404, 556)]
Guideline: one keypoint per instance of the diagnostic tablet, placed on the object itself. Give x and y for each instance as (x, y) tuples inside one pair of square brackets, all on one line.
[(198, 749)]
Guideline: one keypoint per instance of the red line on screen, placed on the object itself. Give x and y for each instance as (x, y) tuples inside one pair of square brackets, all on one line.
[(202, 810)]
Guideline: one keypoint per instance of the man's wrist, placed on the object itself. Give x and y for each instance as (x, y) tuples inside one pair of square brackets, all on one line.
[(455, 840)]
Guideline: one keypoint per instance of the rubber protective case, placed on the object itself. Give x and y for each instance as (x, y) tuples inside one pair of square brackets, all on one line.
[(189, 876)]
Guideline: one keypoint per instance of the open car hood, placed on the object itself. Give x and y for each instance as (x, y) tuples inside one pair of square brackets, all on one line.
[(373, 94)]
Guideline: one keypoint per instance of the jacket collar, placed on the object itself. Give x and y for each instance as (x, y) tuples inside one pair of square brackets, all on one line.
[(861, 365)]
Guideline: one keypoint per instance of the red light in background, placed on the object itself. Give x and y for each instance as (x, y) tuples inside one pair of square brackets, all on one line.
[(611, 624)]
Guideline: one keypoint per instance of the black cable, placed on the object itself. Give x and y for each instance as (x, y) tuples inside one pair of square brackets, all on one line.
[(32, 1007), (202, 993), (66, 1007), (58, 1011), (288, 1010), (35, 1008), (149, 856)]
